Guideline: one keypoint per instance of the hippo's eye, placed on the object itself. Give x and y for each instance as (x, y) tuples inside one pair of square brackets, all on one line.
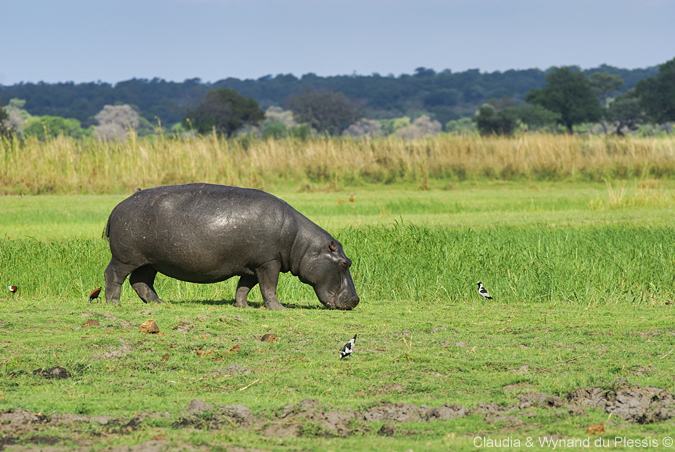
[(332, 246)]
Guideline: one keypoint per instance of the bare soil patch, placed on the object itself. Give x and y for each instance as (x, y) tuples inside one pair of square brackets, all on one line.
[(310, 418)]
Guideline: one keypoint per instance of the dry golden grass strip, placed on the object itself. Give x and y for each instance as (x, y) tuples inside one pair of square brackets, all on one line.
[(65, 165)]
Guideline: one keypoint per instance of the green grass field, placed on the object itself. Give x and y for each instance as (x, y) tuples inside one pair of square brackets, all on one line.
[(582, 277)]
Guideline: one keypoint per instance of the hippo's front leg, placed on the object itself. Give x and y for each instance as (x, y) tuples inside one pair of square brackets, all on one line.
[(268, 278)]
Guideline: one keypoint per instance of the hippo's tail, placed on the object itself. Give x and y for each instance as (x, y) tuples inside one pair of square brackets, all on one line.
[(106, 231)]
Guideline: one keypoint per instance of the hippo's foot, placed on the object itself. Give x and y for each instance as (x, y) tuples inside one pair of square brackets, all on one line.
[(241, 304), (274, 305)]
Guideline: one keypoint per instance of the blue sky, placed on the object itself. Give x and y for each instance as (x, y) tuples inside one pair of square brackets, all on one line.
[(110, 41)]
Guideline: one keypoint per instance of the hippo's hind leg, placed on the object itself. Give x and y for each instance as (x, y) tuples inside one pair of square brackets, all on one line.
[(246, 283), (115, 274), (142, 280)]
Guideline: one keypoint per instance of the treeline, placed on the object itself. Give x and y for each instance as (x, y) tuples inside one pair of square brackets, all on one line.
[(443, 96)]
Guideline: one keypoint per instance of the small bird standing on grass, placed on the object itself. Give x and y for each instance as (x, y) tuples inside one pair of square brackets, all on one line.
[(13, 289), (482, 292), (94, 294), (348, 348)]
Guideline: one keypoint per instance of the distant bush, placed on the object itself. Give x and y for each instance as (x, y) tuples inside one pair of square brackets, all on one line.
[(115, 122), (18, 117), (5, 129), (325, 111), (420, 127), (364, 127), (225, 111), (52, 126), (274, 130), (462, 126)]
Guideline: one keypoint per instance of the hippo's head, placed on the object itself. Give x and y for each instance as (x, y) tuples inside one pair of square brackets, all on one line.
[(325, 267)]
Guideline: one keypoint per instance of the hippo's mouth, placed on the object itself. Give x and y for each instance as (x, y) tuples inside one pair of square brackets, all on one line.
[(337, 299), (331, 304)]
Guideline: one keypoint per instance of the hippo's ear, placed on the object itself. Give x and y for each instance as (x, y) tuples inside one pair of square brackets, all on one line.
[(332, 246)]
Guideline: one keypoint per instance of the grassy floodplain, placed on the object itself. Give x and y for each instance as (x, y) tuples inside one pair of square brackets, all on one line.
[(582, 273)]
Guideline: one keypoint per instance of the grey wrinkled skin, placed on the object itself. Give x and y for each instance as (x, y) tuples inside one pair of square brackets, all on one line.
[(204, 233)]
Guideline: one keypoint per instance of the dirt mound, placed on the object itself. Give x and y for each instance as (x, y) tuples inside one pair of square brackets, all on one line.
[(397, 412), (19, 417), (311, 418), (218, 415), (632, 403)]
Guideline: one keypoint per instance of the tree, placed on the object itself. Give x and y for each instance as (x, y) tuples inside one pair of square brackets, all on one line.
[(568, 93), (52, 126), (364, 127), (603, 84), (18, 117), (420, 127), (461, 126), (491, 121), (625, 111), (536, 116), (225, 111), (327, 112), (115, 122), (445, 95), (657, 94), (5, 130)]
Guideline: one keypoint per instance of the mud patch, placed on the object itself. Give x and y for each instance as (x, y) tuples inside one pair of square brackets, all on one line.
[(233, 369), (122, 322), (387, 430), (184, 326), (397, 412), (631, 403), (20, 417), (309, 418), (115, 353), (54, 372), (201, 414)]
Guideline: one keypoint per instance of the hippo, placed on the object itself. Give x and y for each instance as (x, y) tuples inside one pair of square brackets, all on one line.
[(206, 233)]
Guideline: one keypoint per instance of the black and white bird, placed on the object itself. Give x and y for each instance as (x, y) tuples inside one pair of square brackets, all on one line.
[(482, 292), (348, 348)]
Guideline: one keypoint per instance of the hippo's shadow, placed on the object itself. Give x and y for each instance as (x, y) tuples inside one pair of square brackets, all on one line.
[(252, 304)]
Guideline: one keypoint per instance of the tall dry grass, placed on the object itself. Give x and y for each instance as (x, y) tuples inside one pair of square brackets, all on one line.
[(65, 165)]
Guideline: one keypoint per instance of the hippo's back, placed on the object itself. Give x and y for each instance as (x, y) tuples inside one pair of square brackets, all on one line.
[(201, 232)]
